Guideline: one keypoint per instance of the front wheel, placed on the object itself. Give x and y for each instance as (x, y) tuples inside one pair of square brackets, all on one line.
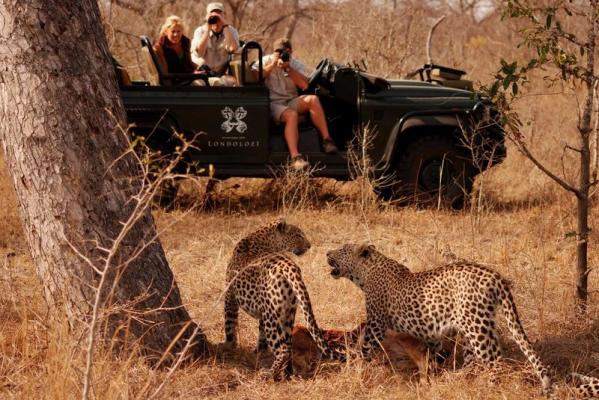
[(432, 169)]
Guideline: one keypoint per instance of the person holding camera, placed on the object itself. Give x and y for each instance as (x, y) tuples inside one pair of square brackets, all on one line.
[(212, 45), (283, 75)]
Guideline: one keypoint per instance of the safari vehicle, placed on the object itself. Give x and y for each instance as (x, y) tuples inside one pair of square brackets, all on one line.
[(430, 136)]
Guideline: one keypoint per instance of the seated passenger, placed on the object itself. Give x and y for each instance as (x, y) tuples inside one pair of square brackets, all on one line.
[(212, 45), (173, 47), (283, 74)]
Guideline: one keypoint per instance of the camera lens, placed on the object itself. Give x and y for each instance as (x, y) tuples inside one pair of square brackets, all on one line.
[(213, 19), (284, 56)]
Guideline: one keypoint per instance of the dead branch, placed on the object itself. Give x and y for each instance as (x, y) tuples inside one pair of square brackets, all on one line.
[(524, 150), (429, 58)]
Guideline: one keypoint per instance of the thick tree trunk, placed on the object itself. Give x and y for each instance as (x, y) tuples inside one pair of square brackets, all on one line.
[(59, 108)]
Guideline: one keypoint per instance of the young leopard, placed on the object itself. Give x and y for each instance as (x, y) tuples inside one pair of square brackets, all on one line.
[(460, 298), (266, 282)]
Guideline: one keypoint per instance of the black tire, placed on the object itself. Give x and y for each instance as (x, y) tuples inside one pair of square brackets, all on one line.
[(432, 168)]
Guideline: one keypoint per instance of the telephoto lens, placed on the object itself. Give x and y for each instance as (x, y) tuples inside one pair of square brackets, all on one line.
[(284, 56), (213, 19)]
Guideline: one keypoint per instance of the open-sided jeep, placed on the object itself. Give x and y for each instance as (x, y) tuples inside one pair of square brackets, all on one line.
[(430, 136)]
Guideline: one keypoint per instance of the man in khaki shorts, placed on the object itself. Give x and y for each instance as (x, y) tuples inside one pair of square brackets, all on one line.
[(283, 74)]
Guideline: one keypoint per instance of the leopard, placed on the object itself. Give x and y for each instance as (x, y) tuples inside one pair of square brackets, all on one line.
[(587, 387), (265, 281), (455, 299)]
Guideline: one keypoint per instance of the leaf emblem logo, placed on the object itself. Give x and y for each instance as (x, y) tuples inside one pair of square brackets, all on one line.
[(234, 119)]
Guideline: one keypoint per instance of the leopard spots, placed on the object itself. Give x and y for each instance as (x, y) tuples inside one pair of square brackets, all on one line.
[(265, 281), (457, 298)]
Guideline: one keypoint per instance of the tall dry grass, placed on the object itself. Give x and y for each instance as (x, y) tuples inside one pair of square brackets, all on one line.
[(520, 225)]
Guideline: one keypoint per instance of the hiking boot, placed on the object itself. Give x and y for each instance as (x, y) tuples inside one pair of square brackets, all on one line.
[(299, 163), (329, 146)]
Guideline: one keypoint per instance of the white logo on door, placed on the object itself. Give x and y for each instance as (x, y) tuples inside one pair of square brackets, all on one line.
[(234, 120)]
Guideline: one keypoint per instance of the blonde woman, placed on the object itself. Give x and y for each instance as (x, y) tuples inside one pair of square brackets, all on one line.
[(174, 48)]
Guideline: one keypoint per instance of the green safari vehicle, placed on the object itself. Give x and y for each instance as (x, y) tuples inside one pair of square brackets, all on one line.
[(430, 136)]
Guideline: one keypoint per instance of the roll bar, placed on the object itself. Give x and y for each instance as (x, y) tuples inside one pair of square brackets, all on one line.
[(244, 59)]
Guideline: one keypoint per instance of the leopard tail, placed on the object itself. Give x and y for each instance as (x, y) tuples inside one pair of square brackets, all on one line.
[(294, 278), (515, 327)]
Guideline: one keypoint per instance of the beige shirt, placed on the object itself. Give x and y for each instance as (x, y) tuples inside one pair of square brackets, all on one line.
[(216, 55), (280, 85)]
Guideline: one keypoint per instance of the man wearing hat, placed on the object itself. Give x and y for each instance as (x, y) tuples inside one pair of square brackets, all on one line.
[(213, 43), (283, 75)]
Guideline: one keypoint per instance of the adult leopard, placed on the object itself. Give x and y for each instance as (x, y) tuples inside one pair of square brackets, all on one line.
[(587, 387), (457, 298), (265, 281)]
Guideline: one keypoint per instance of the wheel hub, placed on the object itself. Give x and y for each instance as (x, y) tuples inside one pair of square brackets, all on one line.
[(435, 173)]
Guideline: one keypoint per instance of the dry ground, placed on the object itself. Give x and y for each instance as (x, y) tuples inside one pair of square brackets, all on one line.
[(524, 239)]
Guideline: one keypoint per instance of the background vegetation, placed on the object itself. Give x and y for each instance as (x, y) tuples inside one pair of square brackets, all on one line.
[(522, 225)]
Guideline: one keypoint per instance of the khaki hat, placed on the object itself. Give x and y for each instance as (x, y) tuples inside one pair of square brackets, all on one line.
[(214, 7)]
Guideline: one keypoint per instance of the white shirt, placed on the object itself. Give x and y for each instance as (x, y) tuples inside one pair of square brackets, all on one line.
[(216, 55)]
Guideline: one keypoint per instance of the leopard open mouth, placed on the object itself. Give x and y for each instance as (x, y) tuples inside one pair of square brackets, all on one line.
[(335, 271)]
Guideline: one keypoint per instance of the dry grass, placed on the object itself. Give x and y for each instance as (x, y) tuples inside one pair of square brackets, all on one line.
[(526, 242)]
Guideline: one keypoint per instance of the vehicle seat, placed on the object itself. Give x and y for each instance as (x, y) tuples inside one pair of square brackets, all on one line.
[(122, 76), (158, 76), (154, 75), (235, 66), (241, 64)]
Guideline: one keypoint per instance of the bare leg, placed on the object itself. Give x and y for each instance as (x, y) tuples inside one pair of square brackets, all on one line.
[(309, 103), (290, 119)]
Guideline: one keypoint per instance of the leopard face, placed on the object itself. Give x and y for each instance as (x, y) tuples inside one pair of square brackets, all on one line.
[(277, 236), (349, 261), (282, 236), (291, 238)]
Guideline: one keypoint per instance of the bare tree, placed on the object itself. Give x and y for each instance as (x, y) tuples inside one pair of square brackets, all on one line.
[(573, 57), (59, 109)]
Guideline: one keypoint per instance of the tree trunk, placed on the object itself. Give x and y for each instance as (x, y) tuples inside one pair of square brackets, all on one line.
[(584, 129), (60, 105)]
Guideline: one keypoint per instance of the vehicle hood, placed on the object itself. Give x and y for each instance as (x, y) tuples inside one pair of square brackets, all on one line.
[(413, 88)]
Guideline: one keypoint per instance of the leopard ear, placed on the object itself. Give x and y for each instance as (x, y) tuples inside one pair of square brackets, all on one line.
[(242, 246), (365, 250), (280, 224)]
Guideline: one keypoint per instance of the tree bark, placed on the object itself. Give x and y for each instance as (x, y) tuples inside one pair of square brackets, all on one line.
[(60, 106), (585, 129)]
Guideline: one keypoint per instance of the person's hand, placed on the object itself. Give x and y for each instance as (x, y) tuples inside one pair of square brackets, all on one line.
[(224, 19), (219, 24), (282, 64), (275, 59)]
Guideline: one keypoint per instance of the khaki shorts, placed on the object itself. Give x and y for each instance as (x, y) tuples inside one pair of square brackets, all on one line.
[(279, 106)]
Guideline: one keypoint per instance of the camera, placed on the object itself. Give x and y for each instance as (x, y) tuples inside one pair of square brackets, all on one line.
[(213, 19), (284, 56)]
